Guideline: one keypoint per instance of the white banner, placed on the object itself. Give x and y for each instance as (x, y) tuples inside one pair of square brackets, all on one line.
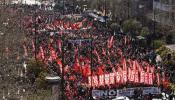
[(125, 92)]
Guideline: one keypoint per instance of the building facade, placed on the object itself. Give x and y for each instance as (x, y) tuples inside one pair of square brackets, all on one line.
[(164, 11)]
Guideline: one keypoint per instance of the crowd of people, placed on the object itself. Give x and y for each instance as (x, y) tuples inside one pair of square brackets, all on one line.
[(80, 47)]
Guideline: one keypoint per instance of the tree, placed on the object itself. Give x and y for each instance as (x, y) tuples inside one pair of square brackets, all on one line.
[(144, 32), (132, 25), (158, 43), (170, 38), (34, 68), (41, 82), (114, 26)]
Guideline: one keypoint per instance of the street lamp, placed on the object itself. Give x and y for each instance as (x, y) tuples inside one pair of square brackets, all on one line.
[(154, 22), (128, 9), (62, 76), (105, 14)]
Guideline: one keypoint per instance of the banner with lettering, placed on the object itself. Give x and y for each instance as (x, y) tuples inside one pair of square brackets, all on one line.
[(129, 92), (121, 77)]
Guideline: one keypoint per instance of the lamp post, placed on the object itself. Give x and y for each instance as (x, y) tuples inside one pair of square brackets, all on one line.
[(128, 9), (154, 22), (105, 14), (62, 76), (63, 7), (35, 26), (91, 66)]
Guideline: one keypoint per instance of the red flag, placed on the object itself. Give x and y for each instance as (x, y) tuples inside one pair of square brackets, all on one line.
[(53, 54), (100, 70), (74, 26), (90, 81), (158, 79), (94, 80), (86, 70), (60, 64), (119, 69), (103, 51), (136, 77), (101, 80), (146, 78), (33, 46), (66, 69), (90, 24), (148, 68), (110, 42), (163, 76), (25, 50), (118, 77), (112, 78), (42, 52), (131, 74), (85, 19), (107, 79), (130, 63), (142, 77), (125, 40), (76, 54), (139, 67), (134, 65), (76, 66), (59, 43), (150, 78), (152, 71), (98, 57), (124, 64), (65, 26), (120, 52), (72, 78), (79, 25), (124, 75)]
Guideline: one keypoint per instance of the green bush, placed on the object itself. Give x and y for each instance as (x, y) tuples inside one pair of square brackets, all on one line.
[(173, 56), (170, 38), (114, 26), (36, 67), (41, 82), (161, 49), (163, 52), (158, 43), (169, 62)]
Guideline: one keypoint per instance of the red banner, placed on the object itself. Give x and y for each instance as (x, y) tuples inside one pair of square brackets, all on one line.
[(122, 77)]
